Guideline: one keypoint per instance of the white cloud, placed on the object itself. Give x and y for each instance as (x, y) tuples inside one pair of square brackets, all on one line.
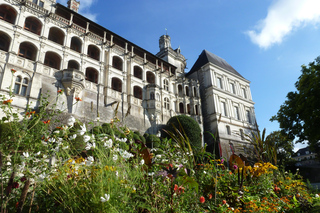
[(283, 17), (84, 8)]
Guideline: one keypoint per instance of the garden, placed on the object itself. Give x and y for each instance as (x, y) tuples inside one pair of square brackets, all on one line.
[(47, 166)]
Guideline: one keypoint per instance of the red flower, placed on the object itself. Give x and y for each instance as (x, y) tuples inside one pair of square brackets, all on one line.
[(224, 202), (181, 190), (175, 187), (15, 185), (13, 70), (23, 179), (60, 91), (78, 99), (202, 200), (210, 196), (7, 101)]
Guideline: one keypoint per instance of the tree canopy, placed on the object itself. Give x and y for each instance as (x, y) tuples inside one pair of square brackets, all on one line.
[(299, 116)]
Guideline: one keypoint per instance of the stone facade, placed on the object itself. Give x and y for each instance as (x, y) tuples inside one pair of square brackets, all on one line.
[(52, 47)]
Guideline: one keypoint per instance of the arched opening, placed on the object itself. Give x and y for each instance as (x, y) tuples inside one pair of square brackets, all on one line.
[(72, 64), (228, 130), (5, 41), (94, 52), (56, 35), (92, 75), (76, 44), (52, 60), (181, 108), (137, 72), (194, 92), (151, 95), (188, 109), (151, 78), (187, 91), (8, 14), (116, 84), (180, 90), (28, 50), (137, 92), (33, 25), (117, 63)]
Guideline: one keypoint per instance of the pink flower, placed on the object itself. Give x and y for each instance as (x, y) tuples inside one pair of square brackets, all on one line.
[(222, 160), (235, 167)]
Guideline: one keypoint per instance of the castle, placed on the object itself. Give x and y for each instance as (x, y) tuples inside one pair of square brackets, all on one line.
[(52, 47)]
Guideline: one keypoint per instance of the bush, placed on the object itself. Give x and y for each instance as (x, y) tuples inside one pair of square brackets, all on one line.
[(190, 127), (152, 138)]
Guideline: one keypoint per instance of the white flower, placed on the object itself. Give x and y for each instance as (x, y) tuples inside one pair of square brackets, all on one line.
[(73, 137), (105, 198), (115, 157), (51, 140), (66, 147), (90, 145), (56, 132), (26, 154), (86, 138), (108, 143), (82, 130), (316, 195), (71, 121), (38, 153), (125, 154), (89, 161), (142, 162)]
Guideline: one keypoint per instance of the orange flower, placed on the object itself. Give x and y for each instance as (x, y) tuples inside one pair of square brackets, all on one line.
[(78, 99), (210, 196), (13, 70), (7, 101), (224, 202), (60, 91), (30, 113), (202, 200), (46, 122)]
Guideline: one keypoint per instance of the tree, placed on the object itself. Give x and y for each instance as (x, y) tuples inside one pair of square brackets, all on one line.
[(299, 116)]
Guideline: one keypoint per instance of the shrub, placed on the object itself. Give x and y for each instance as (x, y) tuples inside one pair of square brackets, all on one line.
[(189, 126), (152, 138)]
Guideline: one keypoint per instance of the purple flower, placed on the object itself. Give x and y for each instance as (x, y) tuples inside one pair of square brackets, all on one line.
[(222, 160), (235, 167)]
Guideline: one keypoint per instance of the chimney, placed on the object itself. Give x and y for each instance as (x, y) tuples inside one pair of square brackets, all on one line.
[(74, 5)]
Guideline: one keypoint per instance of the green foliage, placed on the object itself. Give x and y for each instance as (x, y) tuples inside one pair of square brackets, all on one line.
[(299, 116), (187, 125), (152, 139)]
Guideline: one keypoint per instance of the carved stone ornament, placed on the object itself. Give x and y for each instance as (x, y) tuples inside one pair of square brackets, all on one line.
[(72, 80)]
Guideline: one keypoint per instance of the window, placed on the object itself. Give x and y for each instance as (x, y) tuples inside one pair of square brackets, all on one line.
[(219, 83), (244, 93), (180, 90), (92, 75), (137, 72), (72, 64), (196, 109), (166, 103), (241, 134), (307, 152), (194, 92), (223, 109), (5, 41), (166, 85), (187, 91), (188, 109), (228, 130), (33, 25), (56, 35), (117, 63), (157, 97), (76, 44), (20, 86), (52, 60), (150, 77), (181, 108), (116, 84), (248, 116), (236, 113), (94, 52), (232, 88), (8, 14), (151, 95), (38, 2), (28, 51), (137, 92)]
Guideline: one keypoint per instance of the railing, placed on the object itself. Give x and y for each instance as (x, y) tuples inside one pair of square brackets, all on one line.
[(36, 7), (59, 18), (77, 27)]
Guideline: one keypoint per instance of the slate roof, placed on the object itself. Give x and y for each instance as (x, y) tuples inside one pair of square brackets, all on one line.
[(206, 57)]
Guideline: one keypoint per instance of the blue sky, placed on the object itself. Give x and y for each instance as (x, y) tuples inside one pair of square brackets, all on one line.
[(266, 41)]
